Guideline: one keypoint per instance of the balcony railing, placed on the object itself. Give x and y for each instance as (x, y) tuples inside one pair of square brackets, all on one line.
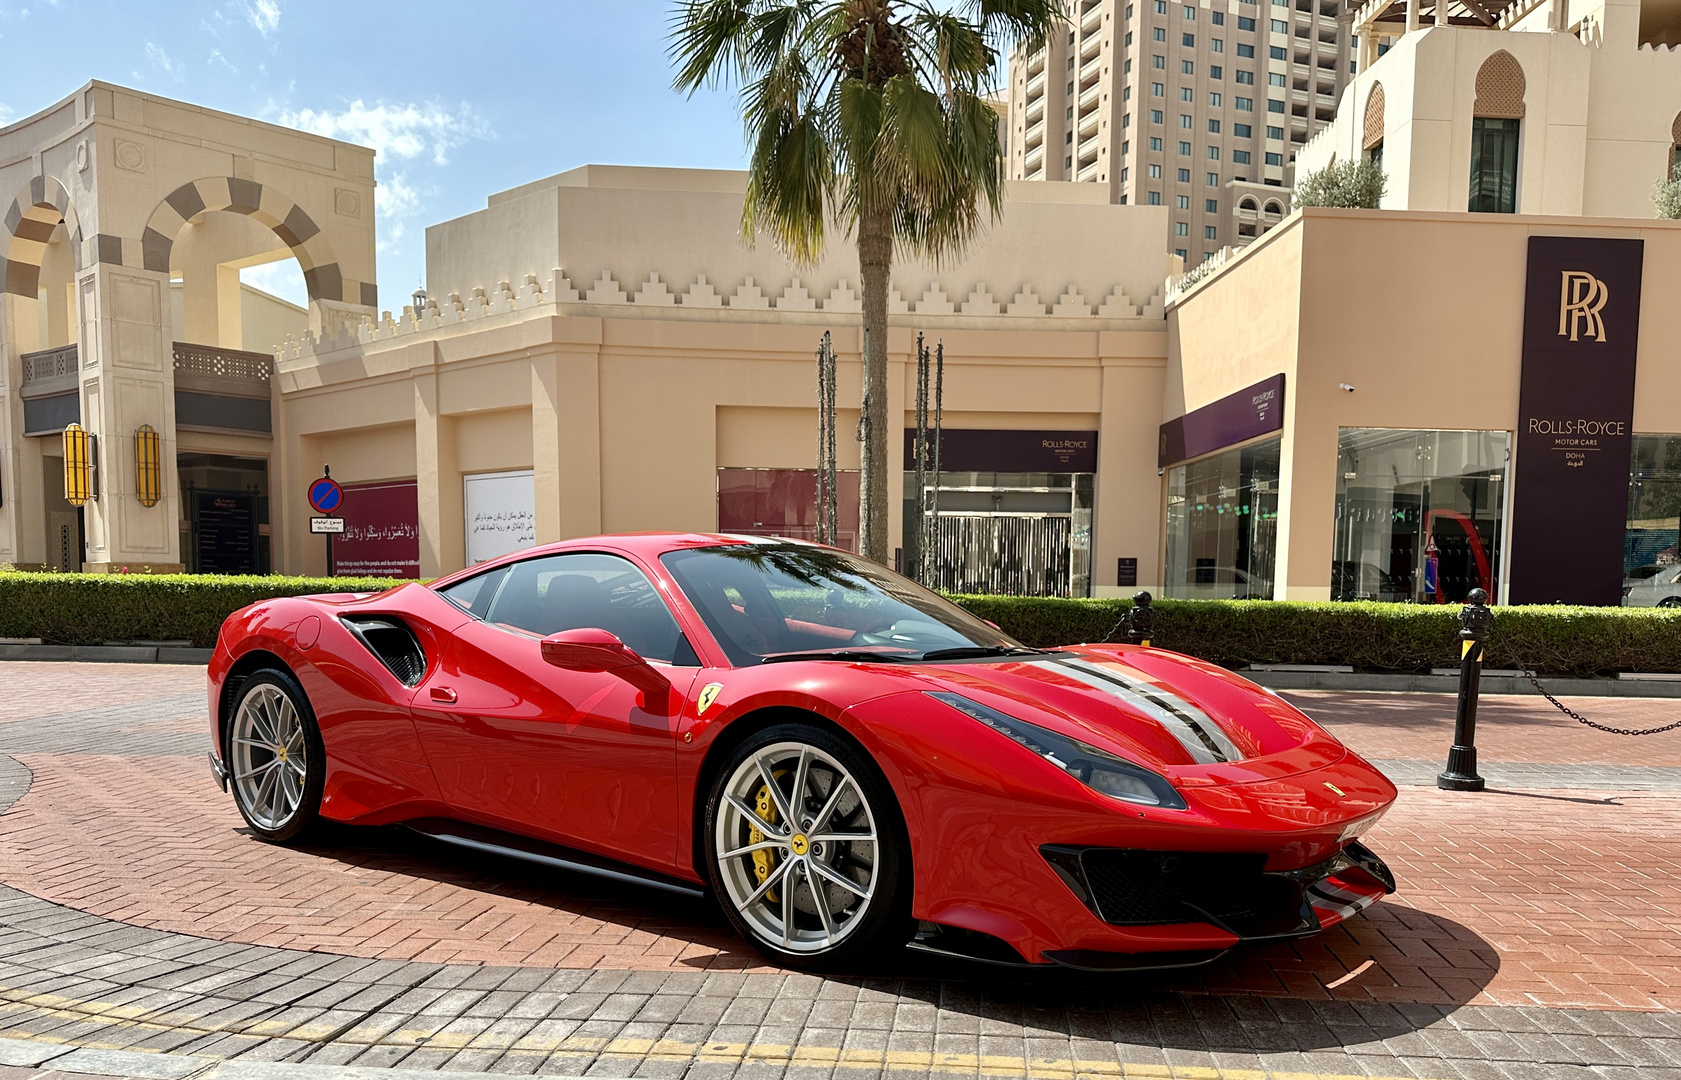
[(206, 369), (50, 371)]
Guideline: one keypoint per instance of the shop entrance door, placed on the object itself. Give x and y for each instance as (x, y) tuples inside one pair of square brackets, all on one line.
[(226, 502), (1004, 554)]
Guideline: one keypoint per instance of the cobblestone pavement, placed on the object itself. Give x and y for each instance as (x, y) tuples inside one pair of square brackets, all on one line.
[(143, 933)]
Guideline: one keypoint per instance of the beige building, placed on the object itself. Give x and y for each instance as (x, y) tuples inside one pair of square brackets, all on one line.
[(1195, 105), (130, 217)]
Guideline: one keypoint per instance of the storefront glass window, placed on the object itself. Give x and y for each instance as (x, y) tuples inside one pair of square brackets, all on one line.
[(1651, 561), (1420, 514), (1021, 534), (1494, 166), (1222, 525)]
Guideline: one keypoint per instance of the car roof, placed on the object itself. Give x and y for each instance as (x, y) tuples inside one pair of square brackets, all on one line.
[(645, 545)]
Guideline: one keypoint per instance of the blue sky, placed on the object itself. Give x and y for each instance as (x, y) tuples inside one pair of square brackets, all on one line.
[(460, 99)]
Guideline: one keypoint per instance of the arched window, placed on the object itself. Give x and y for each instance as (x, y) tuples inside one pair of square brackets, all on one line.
[(1249, 204), (1675, 148), (1372, 140), (1274, 209), (1495, 122)]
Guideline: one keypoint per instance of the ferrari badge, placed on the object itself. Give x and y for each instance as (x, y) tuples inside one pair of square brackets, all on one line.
[(708, 694), (1336, 789)]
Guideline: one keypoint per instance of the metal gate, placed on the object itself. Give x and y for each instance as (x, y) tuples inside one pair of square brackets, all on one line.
[(1006, 554)]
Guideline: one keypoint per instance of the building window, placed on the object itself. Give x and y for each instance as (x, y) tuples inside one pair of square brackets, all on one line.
[(1275, 132), (1214, 153), (1277, 52), (1068, 137), (1161, 7), (1211, 206), (1186, 94), (1216, 44), (1182, 202), (1179, 252), (1126, 147), (1242, 131), (1155, 172), (1155, 143), (1184, 176), (1214, 127), (1246, 51), (1188, 41), (1184, 120), (1419, 514), (1275, 79), (1494, 165), (1126, 93), (1158, 33), (1208, 232), (1155, 116), (1129, 11), (1071, 60), (1187, 67), (1069, 114), (1158, 62), (1181, 228), (1275, 159), (1218, 18), (1243, 104), (1184, 149), (1155, 198), (1244, 22), (1247, 78), (1651, 572), (1213, 179), (1129, 39), (1070, 89), (1240, 157), (1068, 163), (1222, 525), (1190, 11), (1275, 106), (1213, 101), (1126, 68), (1124, 174), (1279, 26), (1215, 71), (1157, 89)]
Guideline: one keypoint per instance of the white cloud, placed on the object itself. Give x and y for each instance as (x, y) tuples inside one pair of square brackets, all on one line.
[(395, 200), (6, 114), (284, 279), (402, 131), (216, 57), (160, 59), (264, 15)]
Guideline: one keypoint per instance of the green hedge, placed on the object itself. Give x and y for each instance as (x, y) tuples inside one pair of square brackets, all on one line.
[(1553, 640), (90, 609)]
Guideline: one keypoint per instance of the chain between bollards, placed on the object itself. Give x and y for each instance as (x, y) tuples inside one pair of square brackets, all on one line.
[(1141, 620), (1475, 620)]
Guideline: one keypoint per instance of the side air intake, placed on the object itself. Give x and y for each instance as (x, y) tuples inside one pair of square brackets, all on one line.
[(394, 643)]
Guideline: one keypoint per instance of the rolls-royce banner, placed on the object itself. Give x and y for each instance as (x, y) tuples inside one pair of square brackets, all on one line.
[(1251, 412), (1581, 319)]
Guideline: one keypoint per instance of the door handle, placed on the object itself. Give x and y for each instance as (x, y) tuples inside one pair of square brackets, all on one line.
[(443, 694)]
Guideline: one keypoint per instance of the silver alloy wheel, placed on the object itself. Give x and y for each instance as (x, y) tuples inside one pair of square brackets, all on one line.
[(796, 843), (270, 759)]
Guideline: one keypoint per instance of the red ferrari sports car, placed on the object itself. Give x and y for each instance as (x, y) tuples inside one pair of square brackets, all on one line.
[(846, 760)]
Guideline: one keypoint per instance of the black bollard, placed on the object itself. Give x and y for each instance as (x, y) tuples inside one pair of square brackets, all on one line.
[(1141, 620), (1474, 621)]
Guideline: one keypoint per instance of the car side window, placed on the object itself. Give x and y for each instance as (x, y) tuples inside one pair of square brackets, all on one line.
[(475, 594), (572, 592)]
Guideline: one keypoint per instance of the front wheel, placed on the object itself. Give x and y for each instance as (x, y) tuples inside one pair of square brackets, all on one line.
[(1670, 601), (806, 849), (275, 758)]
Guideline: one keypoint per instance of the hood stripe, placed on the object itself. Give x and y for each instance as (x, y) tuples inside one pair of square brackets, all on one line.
[(1196, 731)]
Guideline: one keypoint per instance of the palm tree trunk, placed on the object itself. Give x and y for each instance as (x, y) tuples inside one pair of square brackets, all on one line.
[(875, 261)]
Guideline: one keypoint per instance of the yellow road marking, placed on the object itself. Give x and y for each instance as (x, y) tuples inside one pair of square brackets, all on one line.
[(1002, 1065)]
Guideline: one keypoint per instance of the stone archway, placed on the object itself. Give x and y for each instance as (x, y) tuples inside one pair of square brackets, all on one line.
[(39, 208), (324, 280)]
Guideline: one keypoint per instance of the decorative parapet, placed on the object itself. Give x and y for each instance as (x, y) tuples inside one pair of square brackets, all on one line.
[(748, 298), (1179, 284)]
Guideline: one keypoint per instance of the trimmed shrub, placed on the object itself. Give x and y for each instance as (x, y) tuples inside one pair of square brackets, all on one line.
[(91, 609), (1552, 640)]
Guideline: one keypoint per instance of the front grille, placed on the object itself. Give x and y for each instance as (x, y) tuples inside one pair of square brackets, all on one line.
[(1127, 887)]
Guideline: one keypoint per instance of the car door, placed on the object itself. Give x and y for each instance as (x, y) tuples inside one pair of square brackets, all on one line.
[(585, 758)]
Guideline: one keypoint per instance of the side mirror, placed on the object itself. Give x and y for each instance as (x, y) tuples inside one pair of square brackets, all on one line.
[(593, 649)]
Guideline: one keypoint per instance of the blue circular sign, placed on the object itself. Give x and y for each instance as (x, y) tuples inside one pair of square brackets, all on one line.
[(325, 495)]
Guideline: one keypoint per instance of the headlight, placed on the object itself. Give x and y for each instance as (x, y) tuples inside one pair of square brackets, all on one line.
[(1098, 769)]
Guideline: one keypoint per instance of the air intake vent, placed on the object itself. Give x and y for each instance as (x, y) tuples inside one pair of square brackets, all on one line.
[(395, 645)]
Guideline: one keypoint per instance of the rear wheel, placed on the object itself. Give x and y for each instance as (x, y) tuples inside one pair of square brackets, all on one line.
[(806, 849), (276, 761)]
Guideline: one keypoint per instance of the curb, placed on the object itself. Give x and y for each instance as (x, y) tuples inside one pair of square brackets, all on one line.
[(1449, 684), (108, 654)]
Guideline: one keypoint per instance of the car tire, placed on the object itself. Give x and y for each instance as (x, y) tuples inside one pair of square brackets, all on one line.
[(1670, 601), (850, 898), (271, 727)]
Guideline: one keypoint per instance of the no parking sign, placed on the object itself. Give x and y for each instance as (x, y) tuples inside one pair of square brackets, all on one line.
[(326, 496)]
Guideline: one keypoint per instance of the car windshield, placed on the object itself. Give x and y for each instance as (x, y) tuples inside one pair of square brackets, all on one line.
[(770, 601)]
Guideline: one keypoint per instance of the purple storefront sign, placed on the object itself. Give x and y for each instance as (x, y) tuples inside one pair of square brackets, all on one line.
[(977, 450), (1581, 320), (1253, 411)]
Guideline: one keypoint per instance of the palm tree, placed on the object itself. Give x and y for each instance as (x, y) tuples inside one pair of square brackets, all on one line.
[(869, 115)]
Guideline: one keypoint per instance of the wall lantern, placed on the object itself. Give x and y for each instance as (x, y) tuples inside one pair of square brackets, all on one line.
[(148, 474), (81, 468)]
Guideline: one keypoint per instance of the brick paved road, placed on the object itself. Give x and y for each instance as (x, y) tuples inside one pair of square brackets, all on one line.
[(1534, 935)]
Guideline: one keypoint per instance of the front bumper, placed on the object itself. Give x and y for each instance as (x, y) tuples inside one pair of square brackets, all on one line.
[(1231, 892)]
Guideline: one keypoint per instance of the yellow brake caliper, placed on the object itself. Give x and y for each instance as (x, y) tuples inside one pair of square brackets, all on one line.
[(763, 861)]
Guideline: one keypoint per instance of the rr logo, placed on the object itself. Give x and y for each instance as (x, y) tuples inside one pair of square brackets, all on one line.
[(1580, 299)]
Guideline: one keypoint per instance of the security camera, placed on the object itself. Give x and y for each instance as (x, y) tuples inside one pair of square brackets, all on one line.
[(1345, 386)]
